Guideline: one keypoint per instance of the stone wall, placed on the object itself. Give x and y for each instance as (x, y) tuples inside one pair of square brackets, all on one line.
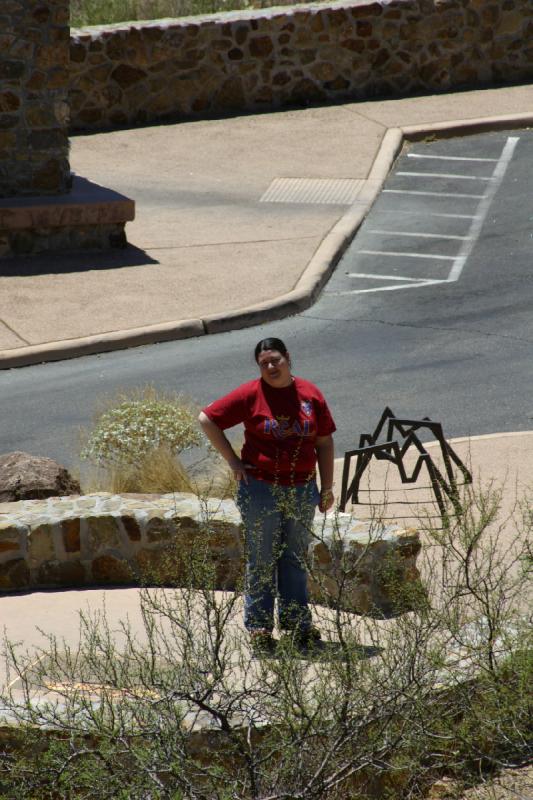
[(34, 78), (88, 217), (108, 539), (133, 73)]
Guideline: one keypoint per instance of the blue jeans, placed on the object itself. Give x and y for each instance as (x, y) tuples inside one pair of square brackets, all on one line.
[(277, 521)]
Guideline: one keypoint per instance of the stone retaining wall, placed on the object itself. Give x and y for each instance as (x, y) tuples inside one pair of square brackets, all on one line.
[(253, 60), (34, 77), (107, 539)]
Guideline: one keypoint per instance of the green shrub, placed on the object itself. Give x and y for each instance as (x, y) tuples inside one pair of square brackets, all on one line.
[(135, 442), (381, 711), (139, 424)]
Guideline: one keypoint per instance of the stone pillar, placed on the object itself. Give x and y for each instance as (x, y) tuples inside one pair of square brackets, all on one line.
[(34, 59), (41, 208)]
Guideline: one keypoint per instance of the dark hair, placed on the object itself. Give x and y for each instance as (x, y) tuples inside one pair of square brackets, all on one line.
[(269, 344)]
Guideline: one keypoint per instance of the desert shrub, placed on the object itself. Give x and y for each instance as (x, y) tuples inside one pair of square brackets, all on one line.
[(137, 424), (160, 471), (136, 439), (135, 442), (181, 710)]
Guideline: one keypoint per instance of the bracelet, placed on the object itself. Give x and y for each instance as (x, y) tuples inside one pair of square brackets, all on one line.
[(326, 491)]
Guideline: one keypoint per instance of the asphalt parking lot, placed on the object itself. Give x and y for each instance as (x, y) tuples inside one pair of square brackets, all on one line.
[(429, 216)]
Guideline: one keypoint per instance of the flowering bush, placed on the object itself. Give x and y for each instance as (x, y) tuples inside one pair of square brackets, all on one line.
[(127, 432)]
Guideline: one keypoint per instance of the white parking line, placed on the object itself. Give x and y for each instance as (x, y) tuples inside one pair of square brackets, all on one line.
[(418, 235), (426, 214), (433, 194), (405, 255), (443, 175), (483, 208), (467, 242), (450, 158), (374, 276), (410, 285)]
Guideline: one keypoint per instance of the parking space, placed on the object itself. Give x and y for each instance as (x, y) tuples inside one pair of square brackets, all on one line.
[(427, 219)]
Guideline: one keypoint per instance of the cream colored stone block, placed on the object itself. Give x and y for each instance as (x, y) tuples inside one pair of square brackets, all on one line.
[(7, 528), (86, 502)]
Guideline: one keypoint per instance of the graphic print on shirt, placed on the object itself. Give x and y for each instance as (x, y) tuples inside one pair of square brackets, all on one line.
[(307, 407), (281, 427)]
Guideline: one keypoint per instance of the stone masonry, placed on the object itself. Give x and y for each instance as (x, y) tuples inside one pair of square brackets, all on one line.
[(42, 207), (132, 73), (34, 78), (105, 539)]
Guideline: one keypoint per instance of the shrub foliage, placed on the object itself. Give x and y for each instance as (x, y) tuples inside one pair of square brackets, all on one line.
[(181, 709), (139, 424)]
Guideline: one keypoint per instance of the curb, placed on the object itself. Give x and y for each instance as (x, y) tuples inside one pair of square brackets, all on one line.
[(100, 343), (310, 283)]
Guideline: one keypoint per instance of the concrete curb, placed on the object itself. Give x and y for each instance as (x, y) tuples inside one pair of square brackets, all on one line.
[(311, 282), (89, 345), (465, 127)]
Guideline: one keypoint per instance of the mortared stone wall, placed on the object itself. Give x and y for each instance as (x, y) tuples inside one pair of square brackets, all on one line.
[(265, 59), (34, 78), (105, 539)]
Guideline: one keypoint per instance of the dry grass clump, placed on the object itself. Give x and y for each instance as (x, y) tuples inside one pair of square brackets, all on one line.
[(162, 472), (159, 472)]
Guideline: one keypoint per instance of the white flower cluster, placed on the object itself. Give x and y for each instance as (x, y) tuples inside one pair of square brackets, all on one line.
[(129, 431)]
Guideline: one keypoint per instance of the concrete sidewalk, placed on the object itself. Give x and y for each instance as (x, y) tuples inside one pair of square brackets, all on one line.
[(496, 461), (206, 253)]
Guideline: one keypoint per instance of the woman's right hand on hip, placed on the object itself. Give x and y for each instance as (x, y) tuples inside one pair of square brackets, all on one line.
[(239, 470)]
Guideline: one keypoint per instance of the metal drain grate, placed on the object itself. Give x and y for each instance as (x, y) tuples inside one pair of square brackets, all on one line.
[(334, 191)]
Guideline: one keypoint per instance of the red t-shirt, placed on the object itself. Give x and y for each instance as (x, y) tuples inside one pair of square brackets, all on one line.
[(280, 427)]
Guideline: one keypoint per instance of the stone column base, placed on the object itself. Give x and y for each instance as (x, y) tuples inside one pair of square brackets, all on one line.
[(90, 217)]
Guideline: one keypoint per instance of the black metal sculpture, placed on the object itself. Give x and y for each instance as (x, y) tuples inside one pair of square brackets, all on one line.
[(390, 450)]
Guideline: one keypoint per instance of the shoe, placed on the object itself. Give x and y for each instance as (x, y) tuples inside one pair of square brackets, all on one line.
[(262, 642)]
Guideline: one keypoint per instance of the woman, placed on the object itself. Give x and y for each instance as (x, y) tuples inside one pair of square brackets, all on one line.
[(288, 429)]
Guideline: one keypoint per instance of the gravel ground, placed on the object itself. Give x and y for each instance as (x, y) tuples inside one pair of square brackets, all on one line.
[(511, 784)]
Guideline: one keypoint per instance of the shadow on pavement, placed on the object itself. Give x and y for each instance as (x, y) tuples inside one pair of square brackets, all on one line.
[(63, 263)]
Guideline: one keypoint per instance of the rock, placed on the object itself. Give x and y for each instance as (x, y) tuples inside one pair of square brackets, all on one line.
[(260, 46), (41, 544), (180, 540), (71, 535), (113, 570), (9, 101), (27, 477), (14, 574), (58, 573), (126, 76), (158, 567)]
